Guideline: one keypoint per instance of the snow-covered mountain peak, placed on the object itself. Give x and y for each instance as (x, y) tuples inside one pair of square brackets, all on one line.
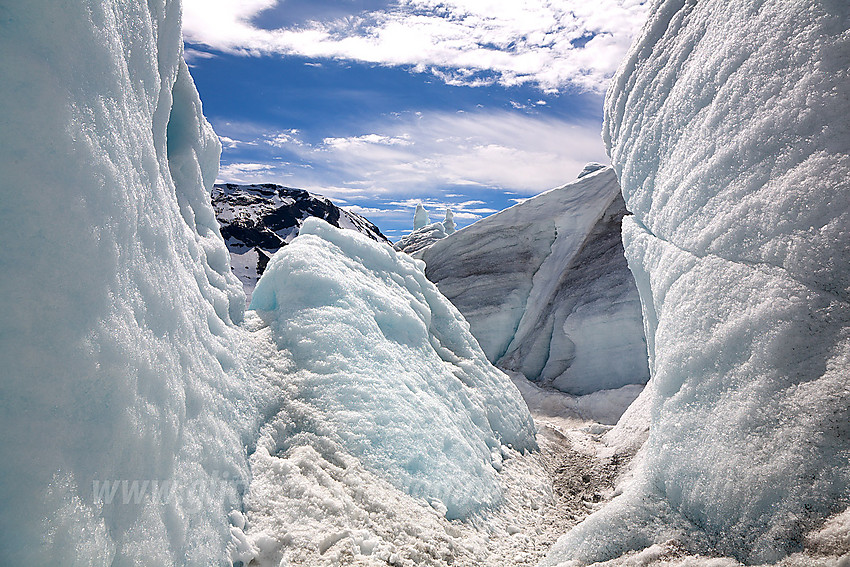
[(257, 220)]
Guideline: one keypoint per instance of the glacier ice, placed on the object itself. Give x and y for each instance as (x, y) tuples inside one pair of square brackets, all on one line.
[(727, 125), (449, 222), (119, 354), (387, 369), (420, 217), (417, 241), (546, 289), (421, 238)]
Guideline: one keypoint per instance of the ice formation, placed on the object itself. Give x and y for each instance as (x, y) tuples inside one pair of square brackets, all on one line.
[(420, 217), (257, 220), (728, 127), (421, 238), (387, 369), (417, 241), (546, 289), (122, 393), (449, 222), (131, 396)]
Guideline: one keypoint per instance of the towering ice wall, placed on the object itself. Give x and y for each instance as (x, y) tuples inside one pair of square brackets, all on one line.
[(117, 301), (546, 289), (728, 127)]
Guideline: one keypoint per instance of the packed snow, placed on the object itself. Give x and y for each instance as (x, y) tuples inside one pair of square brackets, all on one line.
[(546, 289), (728, 127)]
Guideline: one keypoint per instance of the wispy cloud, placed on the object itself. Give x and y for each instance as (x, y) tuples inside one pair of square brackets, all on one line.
[(425, 154), (555, 45)]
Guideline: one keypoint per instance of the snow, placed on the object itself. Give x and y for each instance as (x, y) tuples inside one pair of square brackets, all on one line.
[(387, 369), (119, 350), (727, 125), (315, 499), (546, 289), (257, 220)]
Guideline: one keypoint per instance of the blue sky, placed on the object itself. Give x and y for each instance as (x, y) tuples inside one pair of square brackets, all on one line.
[(472, 104)]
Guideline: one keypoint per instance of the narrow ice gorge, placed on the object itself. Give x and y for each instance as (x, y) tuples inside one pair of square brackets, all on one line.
[(546, 289), (728, 127), (147, 419)]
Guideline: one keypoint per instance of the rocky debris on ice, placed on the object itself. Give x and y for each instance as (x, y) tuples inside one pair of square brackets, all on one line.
[(727, 124), (257, 220), (546, 289)]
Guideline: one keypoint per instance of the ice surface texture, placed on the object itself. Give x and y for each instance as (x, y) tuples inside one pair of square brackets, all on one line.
[(728, 126), (546, 289), (117, 300), (387, 369), (420, 217)]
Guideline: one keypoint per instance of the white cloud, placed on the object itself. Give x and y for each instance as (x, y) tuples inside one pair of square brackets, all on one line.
[(366, 139), (243, 172), (282, 139), (437, 153), (572, 43)]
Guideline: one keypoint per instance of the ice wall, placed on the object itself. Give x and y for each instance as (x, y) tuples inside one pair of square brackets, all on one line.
[(728, 127), (120, 376), (387, 371), (546, 289)]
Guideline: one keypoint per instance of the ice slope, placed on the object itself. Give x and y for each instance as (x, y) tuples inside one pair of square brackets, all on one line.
[(546, 289), (387, 370), (728, 127), (117, 304), (257, 220)]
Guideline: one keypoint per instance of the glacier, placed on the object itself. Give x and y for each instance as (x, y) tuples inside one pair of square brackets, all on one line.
[(146, 414), (546, 289), (415, 242), (391, 366), (727, 126), (120, 355)]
